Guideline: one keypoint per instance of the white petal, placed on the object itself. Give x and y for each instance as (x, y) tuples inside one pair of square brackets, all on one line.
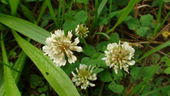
[(59, 33), (131, 62), (76, 48), (82, 66), (60, 60), (72, 59), (69, 35), (73, 73), (76, 41), (92, 85), (116, 69)]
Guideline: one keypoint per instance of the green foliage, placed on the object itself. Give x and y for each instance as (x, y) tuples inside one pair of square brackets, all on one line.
[(36, 81), (114, 38), (27, 13), (25, 69), (166, 44), (146, 20), (166, 61), (9, 84), (31, 30), (101, 6), (89, 50), (19, 64), (142, 27), (71, 19), (116, 87), (133, 23), (166, 0), (105, 76), (82, 1), (13, 6), (144, 73), (124, 13)]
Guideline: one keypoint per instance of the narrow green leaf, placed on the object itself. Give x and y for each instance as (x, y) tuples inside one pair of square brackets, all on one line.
[(82, 1), (101, 6), (124, 14), (42, 10), (28, 29), (27, 13), (166, 1), (9, 82), (166, 44), (2, 87), (48, 3), (18, 66), (13, 5), (104, 34), (56, 77)]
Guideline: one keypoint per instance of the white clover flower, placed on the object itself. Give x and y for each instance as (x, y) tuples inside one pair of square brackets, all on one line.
[(59, 47), (119, 56), (84, 76), (81, 30)]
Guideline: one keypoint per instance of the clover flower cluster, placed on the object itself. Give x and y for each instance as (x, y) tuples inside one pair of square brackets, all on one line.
[(118, 56), (81, 30), (60, 47), (84, 76)]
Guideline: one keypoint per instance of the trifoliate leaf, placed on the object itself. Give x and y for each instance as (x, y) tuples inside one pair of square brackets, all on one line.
[(117, 88), (167, 70), (114, 38), (105, 76), (143, 31), (146, 20), (133, 24)]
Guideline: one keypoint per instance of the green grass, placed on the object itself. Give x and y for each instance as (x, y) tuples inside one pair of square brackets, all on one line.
[(10, 85)]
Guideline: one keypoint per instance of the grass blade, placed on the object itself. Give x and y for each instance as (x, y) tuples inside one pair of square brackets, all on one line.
[(48, 2), (166, 44), (42, 10), (101, 6), (13, 6), (27, 13), (28, 29), (19, 66), (9, 82), (2, 87), (56, 77), (124, 14)]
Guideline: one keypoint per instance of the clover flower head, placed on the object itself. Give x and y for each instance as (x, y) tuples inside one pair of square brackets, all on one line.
[(84, 76), (119, 56), (81, 30), (59, 48)]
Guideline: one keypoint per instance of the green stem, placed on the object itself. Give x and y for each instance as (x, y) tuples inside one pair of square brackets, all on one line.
[(101, 89), (84, 41), (87, 92)]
